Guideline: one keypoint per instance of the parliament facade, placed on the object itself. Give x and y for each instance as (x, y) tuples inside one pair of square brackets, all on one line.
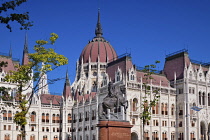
[(182, 84)]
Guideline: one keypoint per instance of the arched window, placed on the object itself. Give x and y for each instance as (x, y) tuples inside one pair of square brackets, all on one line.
[(155, 136), (192, 136), (69, 118), (203, 99), (55, 138), (53, 118), (10, 115), (172, 109), (4, 112), (157, 108), (94, 86), (135, 102), (45, 137), (164, 136), (33, 116), (166, 109), (18, 137), (172, 136), (58, 118), (7, 137), (94, 137), (162, 109), (32, 137), (118, 76), (208, 99), (47, 118), (181, 136), (43, 117), (199, 98)]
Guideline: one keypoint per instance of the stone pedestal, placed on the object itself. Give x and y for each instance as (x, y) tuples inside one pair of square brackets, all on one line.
[(114, 130)]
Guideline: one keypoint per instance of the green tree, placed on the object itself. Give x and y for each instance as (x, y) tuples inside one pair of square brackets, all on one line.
[(147, 102), (23, 76), (8, 15)]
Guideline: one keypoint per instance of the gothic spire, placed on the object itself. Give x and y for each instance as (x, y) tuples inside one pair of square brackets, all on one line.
[(25, 59), (26, 44), (98, 31), (67, 87), (67, 78)]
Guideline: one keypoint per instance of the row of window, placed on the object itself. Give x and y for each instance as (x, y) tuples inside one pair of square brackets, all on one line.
[(32, 137), (164, 136), (155, 109)]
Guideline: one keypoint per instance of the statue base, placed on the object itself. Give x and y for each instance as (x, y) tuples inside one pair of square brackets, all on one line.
[(114, 130)]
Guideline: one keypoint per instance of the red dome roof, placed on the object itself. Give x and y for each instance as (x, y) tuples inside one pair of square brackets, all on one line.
[(98, 47)]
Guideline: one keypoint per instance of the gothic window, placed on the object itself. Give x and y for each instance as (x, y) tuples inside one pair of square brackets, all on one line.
[(135, 102), (208, 99), (55, 138), (43, 117), (4, 112), (132, 76), (47, 118), (157, 108), (200, 98), (33, 116), (190, 75), (181, 136), (94, 86), (164, 137), (155, 136), (203, 99), (18, 137), (162, 109), (172, 109), (7, 137), (45, 137), (10, 115), (166, 109), (32, 137), (146, 135), (192, 136), (53, 118), (69, 118), (118, 76), (57, 118)]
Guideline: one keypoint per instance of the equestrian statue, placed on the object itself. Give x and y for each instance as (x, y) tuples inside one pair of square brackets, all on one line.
[(111, 101)]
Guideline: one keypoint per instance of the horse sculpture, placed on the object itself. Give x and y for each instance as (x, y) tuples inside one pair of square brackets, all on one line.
[(111, 101)]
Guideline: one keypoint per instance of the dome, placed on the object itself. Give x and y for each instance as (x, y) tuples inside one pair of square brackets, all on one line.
[(98, 48)]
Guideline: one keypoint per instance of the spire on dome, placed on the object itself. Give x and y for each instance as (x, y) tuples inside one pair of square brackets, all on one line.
[(98, 31)]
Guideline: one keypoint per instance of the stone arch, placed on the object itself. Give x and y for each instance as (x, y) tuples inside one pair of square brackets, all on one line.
[(208, 132), (202, 130), (134, 136)]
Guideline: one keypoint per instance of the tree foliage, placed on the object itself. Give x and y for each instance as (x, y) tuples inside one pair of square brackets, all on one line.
[(6, 16), (147, 102), (43, 60)]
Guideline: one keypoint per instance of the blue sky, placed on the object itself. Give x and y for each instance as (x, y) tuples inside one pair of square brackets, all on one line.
[(148, 29)]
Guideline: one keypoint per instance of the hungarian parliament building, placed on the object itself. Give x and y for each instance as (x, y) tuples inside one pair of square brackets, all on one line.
[(181, 113)]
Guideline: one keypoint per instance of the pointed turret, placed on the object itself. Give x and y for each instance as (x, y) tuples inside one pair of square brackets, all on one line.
[(43, 84), (25, 59), (67, 87), (98, 31)]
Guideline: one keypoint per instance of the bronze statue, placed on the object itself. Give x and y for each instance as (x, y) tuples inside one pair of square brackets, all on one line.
[(111, 101)]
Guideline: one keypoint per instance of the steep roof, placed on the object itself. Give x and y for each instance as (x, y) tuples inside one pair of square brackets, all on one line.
[(175, 63), (47, 99)]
